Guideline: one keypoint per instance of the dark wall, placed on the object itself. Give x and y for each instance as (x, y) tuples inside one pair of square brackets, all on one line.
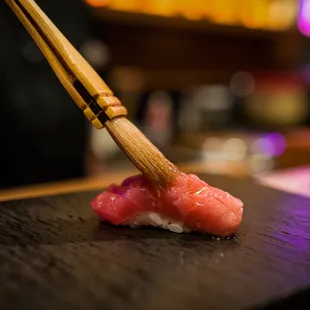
[(176, 57), (43, 133)]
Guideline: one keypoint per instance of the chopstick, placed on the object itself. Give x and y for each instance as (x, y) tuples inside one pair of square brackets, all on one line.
[(91, 93), (79, 79)]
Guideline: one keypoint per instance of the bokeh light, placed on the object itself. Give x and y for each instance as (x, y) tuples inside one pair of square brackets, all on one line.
[(242, 83), (304, 17), (271, 144)]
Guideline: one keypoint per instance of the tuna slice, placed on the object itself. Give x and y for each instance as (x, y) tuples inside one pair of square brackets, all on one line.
[(189, 205)]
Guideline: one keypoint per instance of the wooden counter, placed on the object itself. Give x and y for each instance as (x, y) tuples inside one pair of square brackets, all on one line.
[(97, 183)]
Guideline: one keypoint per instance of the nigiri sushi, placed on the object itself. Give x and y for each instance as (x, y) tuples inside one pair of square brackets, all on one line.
[(188, 205)]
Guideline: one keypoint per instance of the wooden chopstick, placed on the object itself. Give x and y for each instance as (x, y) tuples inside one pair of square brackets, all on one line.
[(81, 81), (92, 95)]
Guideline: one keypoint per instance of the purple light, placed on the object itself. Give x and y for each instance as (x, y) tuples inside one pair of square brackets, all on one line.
[(271, 144), (306, 73), (304, 17), (276, 143)]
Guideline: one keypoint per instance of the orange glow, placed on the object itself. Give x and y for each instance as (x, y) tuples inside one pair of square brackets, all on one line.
[(255, 14), (194, 11), (282, 14), (97, 3), (126, 5), (163, 7), (224, 12)]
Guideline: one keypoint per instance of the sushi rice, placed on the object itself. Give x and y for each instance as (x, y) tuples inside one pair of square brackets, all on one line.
[(157, 220)]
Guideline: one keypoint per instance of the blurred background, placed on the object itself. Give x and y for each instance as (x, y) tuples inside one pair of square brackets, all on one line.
[(224, 83)]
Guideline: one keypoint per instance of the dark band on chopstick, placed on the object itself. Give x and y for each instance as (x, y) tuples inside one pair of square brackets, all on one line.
[(83, 92)]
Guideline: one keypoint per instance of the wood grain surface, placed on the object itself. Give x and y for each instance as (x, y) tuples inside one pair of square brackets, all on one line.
[(54, 254)]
